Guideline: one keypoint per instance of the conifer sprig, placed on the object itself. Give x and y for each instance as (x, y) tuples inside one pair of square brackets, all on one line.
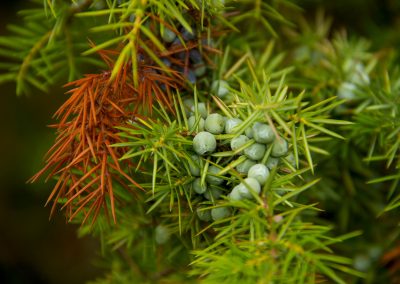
[(377, 122), (138, 23), (37, 49), (169, 139), (129, 144), (82, 156)]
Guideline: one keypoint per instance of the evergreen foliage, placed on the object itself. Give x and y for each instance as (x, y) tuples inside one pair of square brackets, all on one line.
[(316, 108)]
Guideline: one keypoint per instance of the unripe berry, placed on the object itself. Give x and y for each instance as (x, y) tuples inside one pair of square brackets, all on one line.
[(215, 193), (263, 133), (198, 187), (211, 177), (201, 109), (162, 234), (238, 142), (359, 76), (259, 172), (192, 123), (235, 194), (204, 215), (272, 163), (279, 148), (220, 88), (249, 132), (188, 103), (231, 123), (249, 183), (168, 35), (255, 151), (220, 213), (194, 167), (244, 167), (204, 143), (347, 91), (291, 159), (215, 123)]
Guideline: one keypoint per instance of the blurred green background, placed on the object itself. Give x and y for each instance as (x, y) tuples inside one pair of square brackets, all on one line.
[(35, 250), (32, 248)]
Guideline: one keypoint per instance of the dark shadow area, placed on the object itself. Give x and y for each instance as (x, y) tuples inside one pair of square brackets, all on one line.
[(32, 248)]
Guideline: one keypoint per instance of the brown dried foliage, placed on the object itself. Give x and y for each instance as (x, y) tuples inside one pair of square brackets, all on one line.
[(86, 165)]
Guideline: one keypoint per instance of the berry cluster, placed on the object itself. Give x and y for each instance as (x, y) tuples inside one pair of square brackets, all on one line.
[(185, 58), (252, 147)]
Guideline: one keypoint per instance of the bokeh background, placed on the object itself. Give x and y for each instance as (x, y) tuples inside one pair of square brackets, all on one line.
[(32, 248), (36, 250)]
